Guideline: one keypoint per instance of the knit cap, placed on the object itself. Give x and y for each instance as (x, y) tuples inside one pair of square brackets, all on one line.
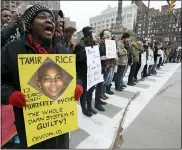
[(32, 12)]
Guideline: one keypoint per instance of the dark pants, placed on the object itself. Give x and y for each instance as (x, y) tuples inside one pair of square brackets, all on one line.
[(98, 92), (136, 71), (160, 62), (86, 98), (60, 142), (145, 71), (119, 76), (132, 72), (150, 69)]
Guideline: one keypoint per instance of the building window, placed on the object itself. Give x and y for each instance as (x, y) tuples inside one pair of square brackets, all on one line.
[(91, 24), (179, 29)]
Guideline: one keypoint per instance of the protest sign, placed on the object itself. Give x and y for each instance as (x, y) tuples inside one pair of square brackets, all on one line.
[(8, 129), (94, 69), (48, 82), (110, 48)]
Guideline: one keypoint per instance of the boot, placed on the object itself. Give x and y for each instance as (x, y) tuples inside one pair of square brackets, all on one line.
[(108, 90), (87, 113), (102, 103), (99, 107), (92, 110)]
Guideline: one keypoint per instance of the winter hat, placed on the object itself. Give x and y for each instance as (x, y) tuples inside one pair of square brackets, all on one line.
[(58, 12), (87, 31), (32, 12)]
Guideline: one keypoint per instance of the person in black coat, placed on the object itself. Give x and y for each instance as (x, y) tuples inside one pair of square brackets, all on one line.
[(81, 65), (40, 26)]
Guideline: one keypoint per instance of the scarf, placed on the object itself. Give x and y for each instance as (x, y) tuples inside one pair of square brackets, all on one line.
[(37, 47)]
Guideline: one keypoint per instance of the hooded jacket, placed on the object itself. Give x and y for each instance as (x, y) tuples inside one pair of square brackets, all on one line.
[(10, 83)]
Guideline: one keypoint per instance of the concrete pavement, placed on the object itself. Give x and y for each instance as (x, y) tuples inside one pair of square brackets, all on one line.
[(100, 130), (159, 123)]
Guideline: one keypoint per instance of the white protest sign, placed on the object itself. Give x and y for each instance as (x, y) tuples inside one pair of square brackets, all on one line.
[(94, 68), (110, 48)]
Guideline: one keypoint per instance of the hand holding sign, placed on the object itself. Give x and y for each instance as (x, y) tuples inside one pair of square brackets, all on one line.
[(17, 99), (104, 58)]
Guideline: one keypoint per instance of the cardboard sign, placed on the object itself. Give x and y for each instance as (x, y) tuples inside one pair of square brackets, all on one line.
[(94, 68), (8, 129), (48, 82), (110, 48)]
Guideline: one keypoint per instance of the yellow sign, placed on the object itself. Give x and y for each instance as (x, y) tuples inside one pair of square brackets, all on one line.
[(48, 82)]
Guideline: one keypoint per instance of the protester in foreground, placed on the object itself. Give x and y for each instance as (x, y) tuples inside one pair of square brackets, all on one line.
[(122, 61), (39, 22)]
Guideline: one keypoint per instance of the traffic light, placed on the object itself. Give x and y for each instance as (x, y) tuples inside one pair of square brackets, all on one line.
[(171, 6)]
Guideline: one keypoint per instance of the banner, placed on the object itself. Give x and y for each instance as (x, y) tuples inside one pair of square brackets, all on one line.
[(8, 129), (94, 68), (48, 82), (110, 48)]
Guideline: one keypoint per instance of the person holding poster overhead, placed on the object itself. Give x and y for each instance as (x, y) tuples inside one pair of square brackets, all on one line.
[(40, 27), (88, 40)]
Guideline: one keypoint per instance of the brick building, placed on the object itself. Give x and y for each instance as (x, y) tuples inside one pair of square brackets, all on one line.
[(161, 26)]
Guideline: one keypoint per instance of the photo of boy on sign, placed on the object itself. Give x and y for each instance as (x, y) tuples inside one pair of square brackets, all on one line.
[(50, 79)]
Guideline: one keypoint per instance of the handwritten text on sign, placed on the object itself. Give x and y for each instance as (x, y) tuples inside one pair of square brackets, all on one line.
[(110, 48), (94, 70), (48, 83)]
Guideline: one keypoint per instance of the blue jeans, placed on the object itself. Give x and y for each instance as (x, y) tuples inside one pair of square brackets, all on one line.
[(119, 76), (108, 76)]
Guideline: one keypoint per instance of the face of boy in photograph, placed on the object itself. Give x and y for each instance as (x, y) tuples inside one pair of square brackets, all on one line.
[(51, 83)]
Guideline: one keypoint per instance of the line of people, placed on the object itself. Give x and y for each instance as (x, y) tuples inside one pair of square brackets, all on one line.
[(41, 31)]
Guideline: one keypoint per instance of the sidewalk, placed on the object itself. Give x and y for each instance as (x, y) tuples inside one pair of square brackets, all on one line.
[(99, 131), (159, 123)]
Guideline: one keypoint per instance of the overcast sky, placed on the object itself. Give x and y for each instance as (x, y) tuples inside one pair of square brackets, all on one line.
[(81, 11)]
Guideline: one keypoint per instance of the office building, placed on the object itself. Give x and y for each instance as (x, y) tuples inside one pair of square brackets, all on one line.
[(108, 17)]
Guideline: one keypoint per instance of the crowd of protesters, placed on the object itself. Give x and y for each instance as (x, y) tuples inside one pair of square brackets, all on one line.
[(41, 31)]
